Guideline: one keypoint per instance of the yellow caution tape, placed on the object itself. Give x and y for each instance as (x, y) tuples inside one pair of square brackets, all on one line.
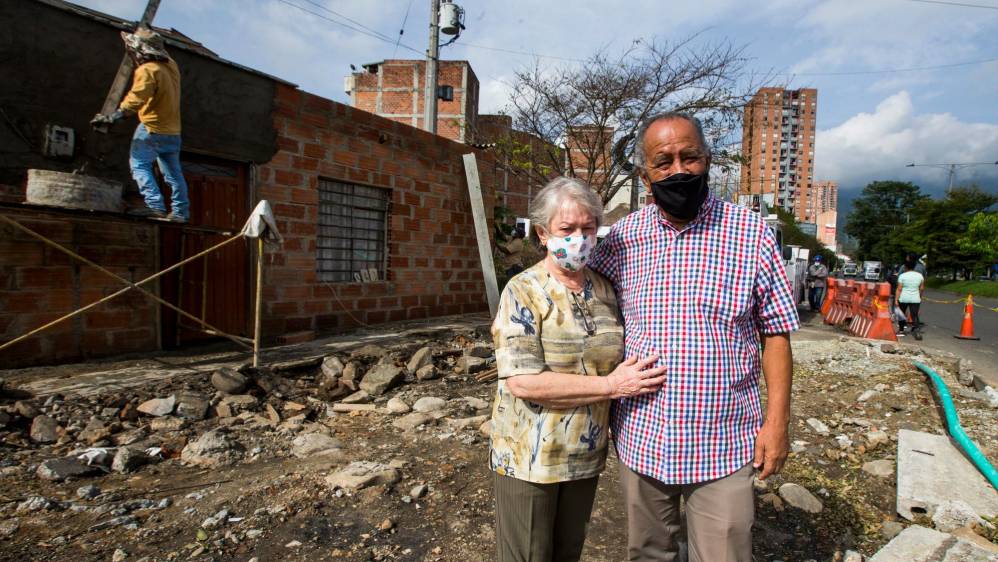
[(964, 299)]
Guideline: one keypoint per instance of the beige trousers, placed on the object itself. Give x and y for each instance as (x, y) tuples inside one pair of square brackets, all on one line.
[(719, 517)]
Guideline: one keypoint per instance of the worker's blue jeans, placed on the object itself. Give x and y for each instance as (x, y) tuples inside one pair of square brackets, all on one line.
[(148, 148)]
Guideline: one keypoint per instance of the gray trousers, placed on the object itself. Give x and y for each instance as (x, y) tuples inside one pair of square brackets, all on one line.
[(719, 517), (542, 522)]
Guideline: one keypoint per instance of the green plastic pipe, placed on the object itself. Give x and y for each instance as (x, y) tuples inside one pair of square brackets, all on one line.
[(968, 446)]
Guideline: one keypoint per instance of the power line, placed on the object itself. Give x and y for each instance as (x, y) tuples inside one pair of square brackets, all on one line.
[(365, 31), (353, 21), (891, 70), (961, 4), (402, 28)]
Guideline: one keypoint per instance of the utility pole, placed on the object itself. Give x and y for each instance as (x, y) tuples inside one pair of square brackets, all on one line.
[(124, 75), (951, 167), (430, 96)]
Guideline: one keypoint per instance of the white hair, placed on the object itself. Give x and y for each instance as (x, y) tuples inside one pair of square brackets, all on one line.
[(639, 145), (555, 194)]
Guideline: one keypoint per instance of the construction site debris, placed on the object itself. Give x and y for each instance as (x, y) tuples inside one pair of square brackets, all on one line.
[(931, 471), (262, 454)]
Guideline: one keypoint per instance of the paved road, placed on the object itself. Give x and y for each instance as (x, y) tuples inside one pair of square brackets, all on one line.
[(943, 322)]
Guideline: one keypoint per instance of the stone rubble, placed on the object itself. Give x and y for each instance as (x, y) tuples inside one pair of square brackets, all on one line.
[(418, 393)]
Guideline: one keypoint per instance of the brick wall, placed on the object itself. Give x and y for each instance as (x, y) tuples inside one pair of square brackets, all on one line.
[(432, 255), (433, 266), (395, 89), (38, 284)]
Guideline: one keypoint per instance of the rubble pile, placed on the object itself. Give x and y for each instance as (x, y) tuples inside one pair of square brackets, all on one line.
[(378, 451)]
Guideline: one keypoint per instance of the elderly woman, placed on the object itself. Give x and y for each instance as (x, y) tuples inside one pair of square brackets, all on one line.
[(559, 346)]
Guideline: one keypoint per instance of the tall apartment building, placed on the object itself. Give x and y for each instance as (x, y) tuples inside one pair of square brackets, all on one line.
[(395, 89), (823, 196), (778, 143)]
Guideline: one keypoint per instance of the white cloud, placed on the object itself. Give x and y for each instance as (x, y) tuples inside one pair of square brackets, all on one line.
[(879, 145)]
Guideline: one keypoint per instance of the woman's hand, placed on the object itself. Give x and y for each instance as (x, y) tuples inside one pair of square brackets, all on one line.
[(634, 378)]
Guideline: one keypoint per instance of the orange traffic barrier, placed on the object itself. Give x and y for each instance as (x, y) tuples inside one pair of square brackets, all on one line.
[(830, 290), (882, 327), (862, 311), (872, 318), (841, 307), (967, 328)]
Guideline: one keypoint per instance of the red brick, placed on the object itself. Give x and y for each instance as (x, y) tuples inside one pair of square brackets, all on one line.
[(313, 150), (296, 337), (285, 177)]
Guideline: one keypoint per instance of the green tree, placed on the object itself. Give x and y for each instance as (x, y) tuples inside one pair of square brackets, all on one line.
[(879, 218), (939, 225), (982, 237)]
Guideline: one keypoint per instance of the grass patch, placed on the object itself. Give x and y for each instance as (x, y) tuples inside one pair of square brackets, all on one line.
[(977, 288)]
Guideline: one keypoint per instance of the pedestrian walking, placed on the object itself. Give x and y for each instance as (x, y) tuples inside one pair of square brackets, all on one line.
[(817, 278), (911, 285)]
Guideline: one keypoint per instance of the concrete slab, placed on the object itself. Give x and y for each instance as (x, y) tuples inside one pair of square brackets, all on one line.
[(920, 544), (932, 470)]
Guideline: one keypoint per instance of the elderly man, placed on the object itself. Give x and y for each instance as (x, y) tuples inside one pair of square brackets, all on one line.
[(701, 285)]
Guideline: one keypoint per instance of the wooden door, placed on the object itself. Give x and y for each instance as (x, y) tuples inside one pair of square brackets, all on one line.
[(214, 288)]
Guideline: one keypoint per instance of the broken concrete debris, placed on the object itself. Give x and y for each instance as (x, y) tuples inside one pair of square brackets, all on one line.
[(212, 449), (931, 472), (229, 381), (921, 544), (361, 474), (380, 379), (798, 496), (44, 429), (158, 406), (412, 453)]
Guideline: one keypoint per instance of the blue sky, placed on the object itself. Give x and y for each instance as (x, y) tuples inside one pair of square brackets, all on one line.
[(870, 122)]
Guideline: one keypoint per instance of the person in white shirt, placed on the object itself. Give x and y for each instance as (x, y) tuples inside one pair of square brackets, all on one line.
[(911, 284)]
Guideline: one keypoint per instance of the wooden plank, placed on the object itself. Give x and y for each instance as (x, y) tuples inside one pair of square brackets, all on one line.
[(124, 75), (482, 232)]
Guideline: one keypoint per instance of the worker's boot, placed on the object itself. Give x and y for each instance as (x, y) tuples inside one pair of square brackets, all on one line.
[(145, 212)]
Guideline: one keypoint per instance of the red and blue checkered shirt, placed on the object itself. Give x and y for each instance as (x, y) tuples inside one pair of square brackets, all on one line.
[(699, 298)]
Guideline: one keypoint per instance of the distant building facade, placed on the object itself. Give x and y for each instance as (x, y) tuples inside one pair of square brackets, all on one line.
[(396, 89), (778, 143)]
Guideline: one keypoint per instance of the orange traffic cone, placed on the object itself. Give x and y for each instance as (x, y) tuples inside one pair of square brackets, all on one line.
[(967, 328)]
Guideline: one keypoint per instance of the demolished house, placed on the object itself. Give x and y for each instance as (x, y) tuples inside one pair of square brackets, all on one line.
[(374, 214)]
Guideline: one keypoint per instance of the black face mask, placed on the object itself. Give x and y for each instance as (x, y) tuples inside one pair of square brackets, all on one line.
[(681, 195)]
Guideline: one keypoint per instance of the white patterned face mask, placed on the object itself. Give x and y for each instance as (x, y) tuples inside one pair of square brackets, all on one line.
[(571, 252)]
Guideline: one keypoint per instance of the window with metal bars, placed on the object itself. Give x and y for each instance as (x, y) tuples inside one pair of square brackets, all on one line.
[(353, 228)]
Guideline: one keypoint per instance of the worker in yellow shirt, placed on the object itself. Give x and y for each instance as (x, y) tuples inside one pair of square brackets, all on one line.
[(155, 97)]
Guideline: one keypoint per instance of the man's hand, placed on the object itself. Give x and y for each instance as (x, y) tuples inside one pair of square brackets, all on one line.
[(771, 448), (101, 119)]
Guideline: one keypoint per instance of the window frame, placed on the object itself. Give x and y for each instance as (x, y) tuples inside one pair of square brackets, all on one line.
[(357, 202)]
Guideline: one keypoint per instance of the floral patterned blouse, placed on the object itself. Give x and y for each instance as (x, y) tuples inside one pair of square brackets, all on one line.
[(542, 326)]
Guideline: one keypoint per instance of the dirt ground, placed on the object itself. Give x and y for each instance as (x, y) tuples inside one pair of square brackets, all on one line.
[(280, 507)]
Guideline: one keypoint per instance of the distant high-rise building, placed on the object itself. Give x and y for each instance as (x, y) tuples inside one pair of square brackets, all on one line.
[(823, 196), (778, 143)]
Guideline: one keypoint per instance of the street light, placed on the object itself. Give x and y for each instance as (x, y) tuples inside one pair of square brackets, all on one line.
[(952, 166)]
